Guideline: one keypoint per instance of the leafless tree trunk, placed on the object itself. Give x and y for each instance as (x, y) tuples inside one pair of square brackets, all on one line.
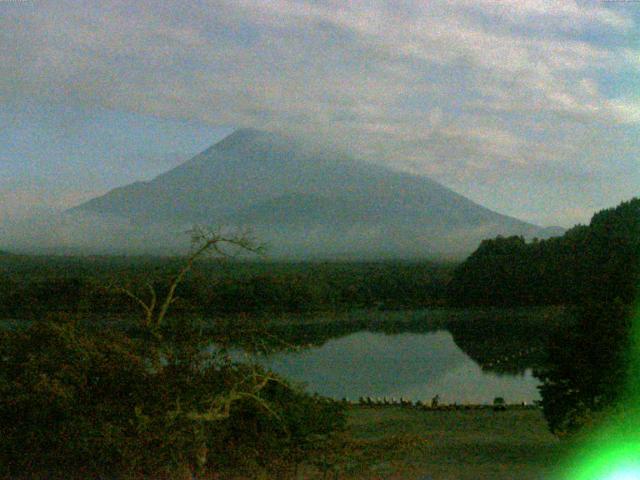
[(204, 242)]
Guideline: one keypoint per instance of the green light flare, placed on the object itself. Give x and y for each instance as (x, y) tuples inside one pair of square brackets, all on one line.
[(606, 459), (612, 452), (625, 474)]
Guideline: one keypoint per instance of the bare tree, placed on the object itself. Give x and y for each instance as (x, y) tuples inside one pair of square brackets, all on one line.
[(208, 242), (204, 242)]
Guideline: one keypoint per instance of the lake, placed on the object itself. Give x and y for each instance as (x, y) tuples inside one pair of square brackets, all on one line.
[(414, 354), (415, 366)]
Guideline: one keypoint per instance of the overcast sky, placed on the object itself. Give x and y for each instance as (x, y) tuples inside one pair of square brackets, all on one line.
[(529, 107)]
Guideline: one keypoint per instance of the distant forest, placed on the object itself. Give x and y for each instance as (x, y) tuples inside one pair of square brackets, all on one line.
[(33, 286), (595, 261)]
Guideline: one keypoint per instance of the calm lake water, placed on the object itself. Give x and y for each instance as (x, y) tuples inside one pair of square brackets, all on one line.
[(415, 366)]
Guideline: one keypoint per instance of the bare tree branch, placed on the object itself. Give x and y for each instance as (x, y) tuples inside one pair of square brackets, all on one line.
[(203, 241), (148, 308), (220, 408)]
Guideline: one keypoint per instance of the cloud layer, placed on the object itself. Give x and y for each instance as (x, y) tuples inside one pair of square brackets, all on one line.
[(525, 96)]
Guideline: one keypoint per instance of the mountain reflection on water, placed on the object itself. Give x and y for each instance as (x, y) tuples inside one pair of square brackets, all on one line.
[(416, 366)]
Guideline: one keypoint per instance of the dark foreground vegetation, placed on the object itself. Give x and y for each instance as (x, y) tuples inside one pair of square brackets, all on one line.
[(83, 402), (595, 269)]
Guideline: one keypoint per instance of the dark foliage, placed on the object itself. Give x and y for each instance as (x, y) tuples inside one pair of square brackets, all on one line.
[(596, 269), (588, 363), (587, 366), (599, 261), (82, 404)]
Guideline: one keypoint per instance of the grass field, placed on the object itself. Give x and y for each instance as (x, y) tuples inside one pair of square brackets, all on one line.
[(404, 443)]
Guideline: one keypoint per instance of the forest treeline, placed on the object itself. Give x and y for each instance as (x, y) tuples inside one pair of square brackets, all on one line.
[(594, 269), (595, 261), (33, 286)]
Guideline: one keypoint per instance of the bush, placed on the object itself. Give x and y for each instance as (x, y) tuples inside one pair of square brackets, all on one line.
[(81, 403)]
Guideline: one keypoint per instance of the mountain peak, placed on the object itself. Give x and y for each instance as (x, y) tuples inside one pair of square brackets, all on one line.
[(246, 137), (308, 196)]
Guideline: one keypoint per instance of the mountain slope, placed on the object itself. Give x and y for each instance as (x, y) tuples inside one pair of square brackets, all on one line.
[(287, 189)]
